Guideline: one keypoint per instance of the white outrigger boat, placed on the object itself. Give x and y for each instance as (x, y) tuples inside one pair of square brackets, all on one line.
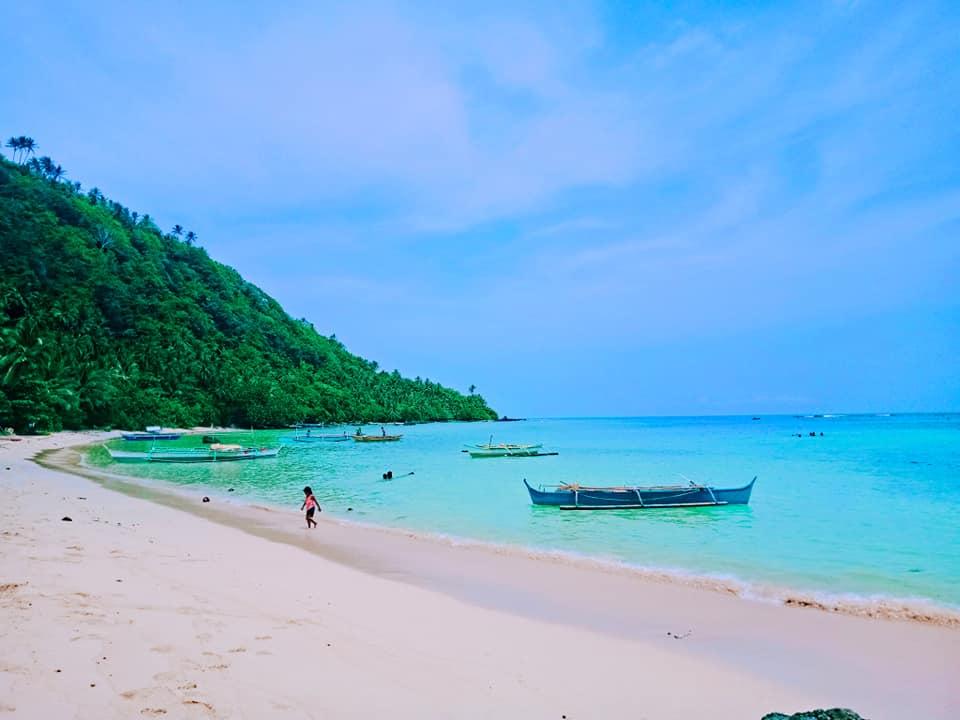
[(215, 452)]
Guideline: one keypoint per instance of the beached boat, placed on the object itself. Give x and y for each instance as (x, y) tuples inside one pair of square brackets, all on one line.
[(212, 453), (533, 451), (582, 497), (152, 432), (376, 438)]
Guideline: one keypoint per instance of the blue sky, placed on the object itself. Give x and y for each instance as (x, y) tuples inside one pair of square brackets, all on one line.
[(603, 209)]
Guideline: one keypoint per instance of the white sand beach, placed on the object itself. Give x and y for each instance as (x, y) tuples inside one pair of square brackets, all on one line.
[(162, 606)]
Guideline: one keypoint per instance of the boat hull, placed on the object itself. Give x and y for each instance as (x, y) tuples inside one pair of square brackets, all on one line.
[(376, 438), (586, 498), (152, 436), (509, 453)]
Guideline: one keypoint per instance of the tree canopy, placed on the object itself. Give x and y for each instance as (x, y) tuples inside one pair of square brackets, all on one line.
[(105, 321)]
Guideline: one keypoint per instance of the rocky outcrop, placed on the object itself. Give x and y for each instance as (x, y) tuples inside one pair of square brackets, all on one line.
[(832, 714)]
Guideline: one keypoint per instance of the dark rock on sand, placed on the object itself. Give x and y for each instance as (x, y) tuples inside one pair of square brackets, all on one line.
[(66, 518), (206, 499), (832, 714)]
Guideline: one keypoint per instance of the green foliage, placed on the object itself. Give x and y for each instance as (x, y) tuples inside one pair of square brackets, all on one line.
[(106, 321)]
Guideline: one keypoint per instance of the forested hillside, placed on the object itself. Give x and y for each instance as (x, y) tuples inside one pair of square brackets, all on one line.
[(105, 320)]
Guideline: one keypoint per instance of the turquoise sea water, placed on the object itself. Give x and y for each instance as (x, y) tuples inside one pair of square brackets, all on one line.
[(870, 508)]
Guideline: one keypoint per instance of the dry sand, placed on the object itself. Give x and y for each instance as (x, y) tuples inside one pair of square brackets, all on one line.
[(139, 608)]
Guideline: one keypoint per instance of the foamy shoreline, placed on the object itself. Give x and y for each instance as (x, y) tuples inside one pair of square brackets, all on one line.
[(144, 608), (883, 607)]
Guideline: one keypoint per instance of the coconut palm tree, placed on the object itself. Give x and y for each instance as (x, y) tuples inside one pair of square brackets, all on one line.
[(178, 230), (14, 144), (22, 146), (191, 237), (28, 145), (46, 166)]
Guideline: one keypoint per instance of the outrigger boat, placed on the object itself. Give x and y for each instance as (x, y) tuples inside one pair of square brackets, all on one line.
[(495, 452), (582, 497), (212, 453), (503, 446), (320, 438), (376, 438), (153, 432)]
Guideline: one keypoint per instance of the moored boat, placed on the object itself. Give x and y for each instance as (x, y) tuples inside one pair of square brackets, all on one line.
[(583, 497), (376, 438), (504, 446), (309, 438), (152, 432), (212, 453), (496, 452)]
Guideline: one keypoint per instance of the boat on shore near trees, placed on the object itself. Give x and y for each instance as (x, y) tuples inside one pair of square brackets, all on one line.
[(211, 453), (152, 432), (495, 452), (583, 497)]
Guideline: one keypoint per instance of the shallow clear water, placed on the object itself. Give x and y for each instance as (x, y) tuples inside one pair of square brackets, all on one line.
[(871, 508)]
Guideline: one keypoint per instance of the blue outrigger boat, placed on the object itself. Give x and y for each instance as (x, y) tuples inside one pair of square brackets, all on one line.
[(153, 432), (582, 497)]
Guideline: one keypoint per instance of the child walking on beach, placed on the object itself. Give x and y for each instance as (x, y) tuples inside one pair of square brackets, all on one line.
[(311, 504)]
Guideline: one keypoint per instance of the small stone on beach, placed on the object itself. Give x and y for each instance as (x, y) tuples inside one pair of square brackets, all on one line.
[(229, 489), (66, 518), (206, 499)]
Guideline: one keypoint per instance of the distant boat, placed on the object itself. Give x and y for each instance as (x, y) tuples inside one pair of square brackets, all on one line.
[(582, 497), (153, 432), (504, 446), (309, 438), (533, 451), (376, 438), (212, 453)]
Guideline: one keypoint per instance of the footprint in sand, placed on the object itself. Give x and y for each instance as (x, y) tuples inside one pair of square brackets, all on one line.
[(264, 637), (153, 711), (205, 705), (187, 686), (237, 650), (162, 648)]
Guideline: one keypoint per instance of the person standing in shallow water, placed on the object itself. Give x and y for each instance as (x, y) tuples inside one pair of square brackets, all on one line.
[(311, 504)]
